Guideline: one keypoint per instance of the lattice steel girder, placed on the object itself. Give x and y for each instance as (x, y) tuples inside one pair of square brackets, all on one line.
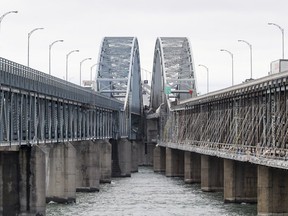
[(249, 119)]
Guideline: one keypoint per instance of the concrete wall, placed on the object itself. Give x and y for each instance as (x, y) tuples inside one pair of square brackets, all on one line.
[(211, 173), (240, 182), (192, 166)]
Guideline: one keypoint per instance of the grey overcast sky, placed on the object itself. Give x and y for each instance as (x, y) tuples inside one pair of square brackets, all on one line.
[(210, 25)]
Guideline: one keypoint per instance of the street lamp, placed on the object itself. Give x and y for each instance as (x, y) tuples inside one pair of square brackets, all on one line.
[(67, 62), (29, 35), (81, 66), (282, 31), (224, 50), (91, 68), (5, 14), (50, 46), (207, 76), (250, 46)]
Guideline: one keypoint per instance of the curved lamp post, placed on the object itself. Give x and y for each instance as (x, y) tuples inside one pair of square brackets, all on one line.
[(81, 68), (28, 51), (231, 54), (5, 14), (67, 56), (282, 31), (250, 46), (50, 46), (91, 69), (207, 76)]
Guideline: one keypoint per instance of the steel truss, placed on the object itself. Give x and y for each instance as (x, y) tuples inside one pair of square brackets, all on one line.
[(173, 77), (119, 77), (248, 120), (38, 108)]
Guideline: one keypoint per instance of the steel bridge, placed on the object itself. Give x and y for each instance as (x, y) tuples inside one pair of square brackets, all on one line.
[(245, 122), (38, 108), (241, 129), (233, 140)]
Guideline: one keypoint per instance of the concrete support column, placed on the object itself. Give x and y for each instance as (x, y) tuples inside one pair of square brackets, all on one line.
[(272, 191), (61, 173), (240, 182), (87, 166), (145, 153), (159, 159), (105, 161), (174, 162), (192, 166), (211, 173), (124, 155), (22, 184), (134, 157), (32, 165), (121, 156)]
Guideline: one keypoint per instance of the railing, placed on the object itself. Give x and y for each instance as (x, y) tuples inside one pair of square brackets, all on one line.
[(14, 75)]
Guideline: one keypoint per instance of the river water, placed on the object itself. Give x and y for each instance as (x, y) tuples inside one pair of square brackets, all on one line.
[(149, 193)]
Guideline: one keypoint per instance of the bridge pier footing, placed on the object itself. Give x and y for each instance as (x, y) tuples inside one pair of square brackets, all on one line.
[(87, 166), (240, 182), (211, 173), (61, 172), (272, 191), (174, 163), (192, 167), (22, 182), (159, 159)]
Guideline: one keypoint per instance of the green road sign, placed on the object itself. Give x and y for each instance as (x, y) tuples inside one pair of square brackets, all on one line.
[(167, 90)]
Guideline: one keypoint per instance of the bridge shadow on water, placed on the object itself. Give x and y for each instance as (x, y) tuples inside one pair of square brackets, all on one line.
[(149, 193)]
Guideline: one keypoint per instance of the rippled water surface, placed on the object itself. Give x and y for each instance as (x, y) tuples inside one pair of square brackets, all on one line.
[(149, 193)]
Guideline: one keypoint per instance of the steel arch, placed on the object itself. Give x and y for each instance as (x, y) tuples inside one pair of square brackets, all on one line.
[(119, 76), (173, 76)]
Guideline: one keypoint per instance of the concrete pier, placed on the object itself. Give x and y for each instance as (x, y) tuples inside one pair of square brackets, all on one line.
[(192, 166), (122, 157), (105, 160), (22, 182), (272, 191), (145, 153), (240, 182), (174, 163), (87, 166), (211, 173), (61, 172), (134, 157), (159, 159)]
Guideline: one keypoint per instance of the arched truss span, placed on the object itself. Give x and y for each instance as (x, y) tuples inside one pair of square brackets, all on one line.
[(173, 76), (119, 76)]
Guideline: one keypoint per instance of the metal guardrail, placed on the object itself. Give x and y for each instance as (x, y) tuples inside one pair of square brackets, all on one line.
[(272, 157), (14, 75)]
